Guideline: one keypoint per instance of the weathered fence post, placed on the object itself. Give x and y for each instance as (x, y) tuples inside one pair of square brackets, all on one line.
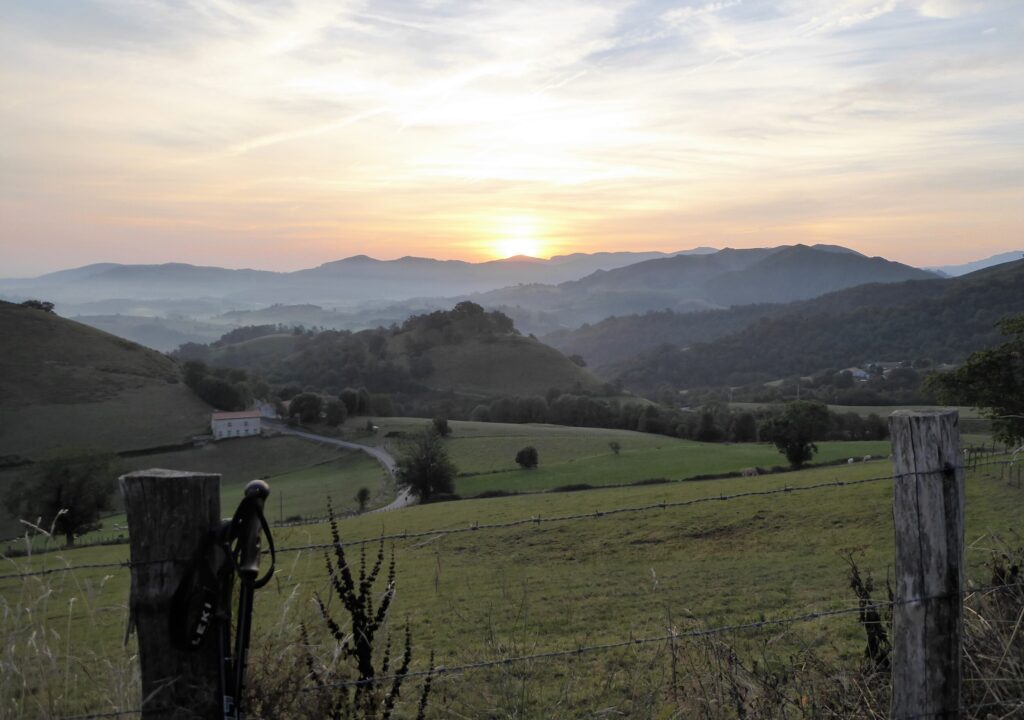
[(928, 511), (169, 516)]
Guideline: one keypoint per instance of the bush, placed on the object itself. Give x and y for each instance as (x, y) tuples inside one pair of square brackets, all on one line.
[(527, 457), (441, 426)]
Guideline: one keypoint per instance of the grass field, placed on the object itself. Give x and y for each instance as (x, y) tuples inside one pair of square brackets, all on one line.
[(494, 593), (865, 410), (301, 474), (485, 454)]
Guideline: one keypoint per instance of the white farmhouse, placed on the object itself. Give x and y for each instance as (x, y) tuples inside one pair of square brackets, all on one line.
[(235, 424)]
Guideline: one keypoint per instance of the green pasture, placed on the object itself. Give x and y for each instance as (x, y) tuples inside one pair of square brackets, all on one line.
[(485, 454), (865, 410), (301, 473), (483, 594)]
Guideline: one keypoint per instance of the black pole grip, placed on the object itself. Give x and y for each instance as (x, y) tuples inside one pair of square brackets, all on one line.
[(256, 493)]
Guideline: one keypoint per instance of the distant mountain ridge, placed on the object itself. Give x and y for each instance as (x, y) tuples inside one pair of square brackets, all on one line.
[(686, 283), (969, 267), (942, 320), (347, 282)]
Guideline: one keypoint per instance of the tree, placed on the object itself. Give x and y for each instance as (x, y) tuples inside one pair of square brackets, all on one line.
[(481, 413), (992, 380), (616, 447), (425, 467), (363, 497), (306, 407), (527, 457), (68, 490), (335, 413), (441, 426), (744, 428), (45, 306), (351, 399), (221, 394), (794, 431)]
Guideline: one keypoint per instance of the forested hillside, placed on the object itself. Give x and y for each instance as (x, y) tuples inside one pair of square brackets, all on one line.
[(942, 321), (464, 350)]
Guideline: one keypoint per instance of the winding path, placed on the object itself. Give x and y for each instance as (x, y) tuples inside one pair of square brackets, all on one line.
[(386, 459)]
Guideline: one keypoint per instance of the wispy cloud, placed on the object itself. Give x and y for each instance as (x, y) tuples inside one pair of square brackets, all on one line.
[(152, 129)]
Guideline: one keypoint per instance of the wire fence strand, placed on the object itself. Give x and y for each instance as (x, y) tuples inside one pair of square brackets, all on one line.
[(535, 520)]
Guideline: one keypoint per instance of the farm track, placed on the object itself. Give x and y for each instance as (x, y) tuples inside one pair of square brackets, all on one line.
[(386, 459)]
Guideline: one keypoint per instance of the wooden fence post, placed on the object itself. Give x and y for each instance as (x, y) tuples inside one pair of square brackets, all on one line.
[(928, 512), (169, 516)]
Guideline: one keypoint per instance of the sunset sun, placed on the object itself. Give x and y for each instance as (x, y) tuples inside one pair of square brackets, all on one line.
[(518, 236)]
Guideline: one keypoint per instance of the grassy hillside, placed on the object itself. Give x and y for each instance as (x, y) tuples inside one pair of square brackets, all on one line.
[(495, 593), (485, 454), (302, 473), (63, 383)]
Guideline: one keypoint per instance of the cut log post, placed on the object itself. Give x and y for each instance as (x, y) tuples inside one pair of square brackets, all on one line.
[(170, 514), (928, 512)]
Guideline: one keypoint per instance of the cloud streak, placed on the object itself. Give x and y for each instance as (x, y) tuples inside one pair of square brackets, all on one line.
[(308, 130)]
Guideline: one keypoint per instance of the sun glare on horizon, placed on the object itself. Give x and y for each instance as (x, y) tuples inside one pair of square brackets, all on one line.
[(518, 236)]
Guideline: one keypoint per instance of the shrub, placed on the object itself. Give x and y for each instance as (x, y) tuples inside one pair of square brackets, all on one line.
[(527, 457)]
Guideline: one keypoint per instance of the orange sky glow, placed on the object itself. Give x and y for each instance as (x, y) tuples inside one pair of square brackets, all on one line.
[(281, 135)]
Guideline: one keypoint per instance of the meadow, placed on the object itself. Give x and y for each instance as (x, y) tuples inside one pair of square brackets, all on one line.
[(303, 474), (483, 594), (484, 454)]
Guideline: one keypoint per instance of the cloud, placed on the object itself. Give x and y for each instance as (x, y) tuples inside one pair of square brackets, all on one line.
[(148, 120)]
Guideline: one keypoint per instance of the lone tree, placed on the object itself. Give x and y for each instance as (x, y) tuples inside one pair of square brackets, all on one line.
[(527, 457), (68, 490), (615, 446), (794, 431), (992, 380), (363, 497), (441, 426), (43, 305), (425, 467), (306, 407)]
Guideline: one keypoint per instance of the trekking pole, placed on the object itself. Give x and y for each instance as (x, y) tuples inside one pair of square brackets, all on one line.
[(249, 521)]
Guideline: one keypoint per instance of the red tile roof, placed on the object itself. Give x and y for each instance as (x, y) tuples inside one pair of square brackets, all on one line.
[(241, 415)]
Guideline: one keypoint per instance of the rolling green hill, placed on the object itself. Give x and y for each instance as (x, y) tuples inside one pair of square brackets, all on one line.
[(64, 384)]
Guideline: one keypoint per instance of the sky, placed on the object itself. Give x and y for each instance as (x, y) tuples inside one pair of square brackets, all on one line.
[(280, 135)]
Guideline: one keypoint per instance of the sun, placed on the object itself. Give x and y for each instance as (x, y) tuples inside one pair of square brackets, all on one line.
[(518, 236)]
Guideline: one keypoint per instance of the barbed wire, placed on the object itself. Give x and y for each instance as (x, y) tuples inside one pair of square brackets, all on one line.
[(97, 715), (632, 642), (706, 632), (537, 519), (534, 520)]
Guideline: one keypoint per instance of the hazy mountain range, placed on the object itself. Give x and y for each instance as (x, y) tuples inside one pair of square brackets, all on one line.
[(343, 283), (163, 306), (957, 270)]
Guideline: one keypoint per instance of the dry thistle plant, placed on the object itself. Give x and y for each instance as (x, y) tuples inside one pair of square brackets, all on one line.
[(354, 675)]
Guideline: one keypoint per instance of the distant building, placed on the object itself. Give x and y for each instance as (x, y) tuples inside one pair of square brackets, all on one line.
[(235, 424), (858, 373)]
